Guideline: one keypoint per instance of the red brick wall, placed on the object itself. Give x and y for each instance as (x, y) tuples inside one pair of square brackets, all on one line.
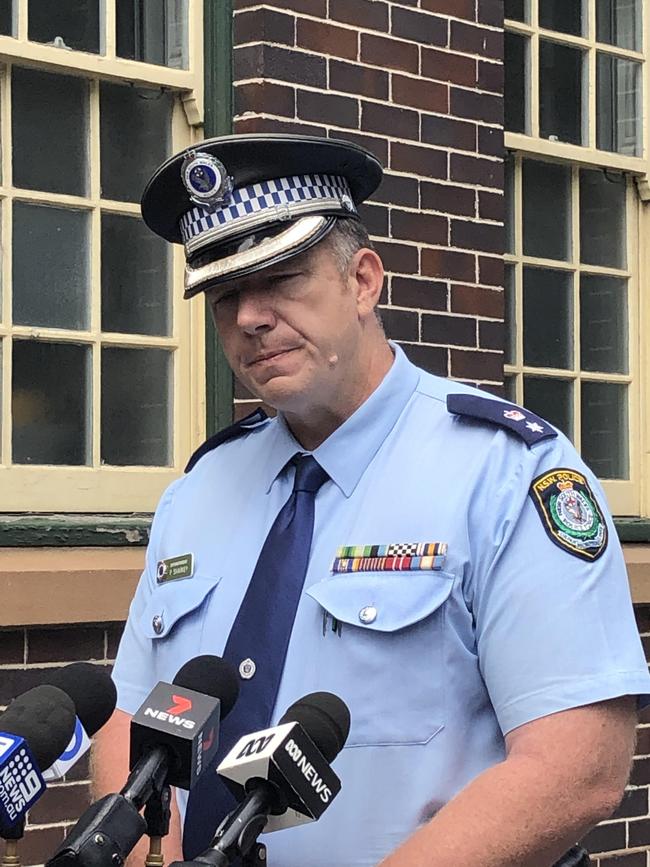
[(624, 839), (26, 657), (419, 83)]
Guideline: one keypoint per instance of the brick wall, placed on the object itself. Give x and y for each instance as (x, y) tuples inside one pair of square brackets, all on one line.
[(419, 83), (26, 657), (624, 839)]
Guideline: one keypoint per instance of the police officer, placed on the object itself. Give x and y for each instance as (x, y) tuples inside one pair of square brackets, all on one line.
[(456, 579)]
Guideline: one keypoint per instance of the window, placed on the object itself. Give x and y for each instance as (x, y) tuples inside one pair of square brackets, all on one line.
[(575, 137), (97, 400)]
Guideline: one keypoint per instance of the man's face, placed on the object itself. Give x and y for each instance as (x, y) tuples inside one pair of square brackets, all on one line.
[(291, 332)]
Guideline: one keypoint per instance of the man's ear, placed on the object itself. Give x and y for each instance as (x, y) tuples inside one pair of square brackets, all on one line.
[(366, 275)]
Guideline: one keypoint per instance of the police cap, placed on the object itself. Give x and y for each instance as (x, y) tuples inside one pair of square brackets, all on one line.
[(240, 203)]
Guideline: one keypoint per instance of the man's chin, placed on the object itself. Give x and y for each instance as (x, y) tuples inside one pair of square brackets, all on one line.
[(283, 392)]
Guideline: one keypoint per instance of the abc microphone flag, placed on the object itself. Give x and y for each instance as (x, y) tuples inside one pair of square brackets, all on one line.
[(281, 777), (291, 761)]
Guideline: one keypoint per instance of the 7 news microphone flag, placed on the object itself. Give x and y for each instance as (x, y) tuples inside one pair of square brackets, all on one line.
[(173, 736)]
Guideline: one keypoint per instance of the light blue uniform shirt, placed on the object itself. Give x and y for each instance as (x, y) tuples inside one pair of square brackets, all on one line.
[(511, 628)]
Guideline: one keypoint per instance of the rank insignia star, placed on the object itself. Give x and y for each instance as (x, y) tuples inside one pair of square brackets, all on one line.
[(513, 414), (534, 426)]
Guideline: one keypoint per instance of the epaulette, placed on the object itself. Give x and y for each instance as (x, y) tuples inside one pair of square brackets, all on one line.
[(239, 428), (530, 427)]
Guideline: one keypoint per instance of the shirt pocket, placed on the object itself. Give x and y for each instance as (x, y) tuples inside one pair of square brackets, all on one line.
[(387, 659), (173, 620)]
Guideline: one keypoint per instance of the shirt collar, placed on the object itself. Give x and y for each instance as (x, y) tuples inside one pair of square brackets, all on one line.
[(346, 453)]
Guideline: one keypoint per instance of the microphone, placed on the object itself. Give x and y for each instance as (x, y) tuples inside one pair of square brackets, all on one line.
[(94, 695), (174, 734), (176, 729), (281, 775), (33, 731)]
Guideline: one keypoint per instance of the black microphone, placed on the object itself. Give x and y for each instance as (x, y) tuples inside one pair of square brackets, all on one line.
[(281, 775), (174, 735), (33, 731), (94, 695)]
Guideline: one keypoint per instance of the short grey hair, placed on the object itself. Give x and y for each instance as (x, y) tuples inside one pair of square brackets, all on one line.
[(346, 238)]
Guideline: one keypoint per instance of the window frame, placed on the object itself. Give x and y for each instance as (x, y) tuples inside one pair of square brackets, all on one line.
[(99, 488), (626, 497), (588, 154)]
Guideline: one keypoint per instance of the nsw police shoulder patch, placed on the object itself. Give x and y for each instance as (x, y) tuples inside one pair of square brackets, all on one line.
[(570, 513)]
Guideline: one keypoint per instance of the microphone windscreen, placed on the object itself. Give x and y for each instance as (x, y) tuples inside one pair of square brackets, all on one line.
[(45, 717), (91, 689), (325, 718), (212, 676)]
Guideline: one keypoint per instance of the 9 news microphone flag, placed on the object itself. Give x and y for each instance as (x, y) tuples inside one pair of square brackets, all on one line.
[(261, 632)]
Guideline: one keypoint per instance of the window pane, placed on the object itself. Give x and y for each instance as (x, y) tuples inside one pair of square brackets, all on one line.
[(618, 96), (56, 162), (510, 388), (605, 429), (602, 219), (50, 266), (51, 403), (135, 138), (509, 195), (136, 406), (516, 82), (135, 277), (562, 15), (6, 18), (154, 31), (511, 318), (560, 92), (547, 210), (552, 400), (603, 324), (516, 10), (67, 23), (548, 318), (618, 22)]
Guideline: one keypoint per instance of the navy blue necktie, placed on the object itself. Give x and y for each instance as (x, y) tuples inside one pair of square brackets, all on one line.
[(258, 642)]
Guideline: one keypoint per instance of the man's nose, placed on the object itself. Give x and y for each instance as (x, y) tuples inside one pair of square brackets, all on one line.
[(254, 312)]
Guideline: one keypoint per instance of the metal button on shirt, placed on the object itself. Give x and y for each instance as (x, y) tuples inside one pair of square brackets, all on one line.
[(247, 669), (158, 624), (368, 614)]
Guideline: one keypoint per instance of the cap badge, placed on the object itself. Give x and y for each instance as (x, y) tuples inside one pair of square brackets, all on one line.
[(206, 179)]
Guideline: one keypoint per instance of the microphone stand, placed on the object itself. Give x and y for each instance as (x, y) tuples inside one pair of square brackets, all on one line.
[(157, 815), (237, 835), (10, 857)]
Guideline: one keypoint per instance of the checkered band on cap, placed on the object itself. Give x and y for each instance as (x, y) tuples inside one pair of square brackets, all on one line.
[(265, 202)]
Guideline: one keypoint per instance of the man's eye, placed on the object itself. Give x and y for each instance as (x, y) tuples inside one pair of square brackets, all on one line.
[(282, 278), (227, 296)]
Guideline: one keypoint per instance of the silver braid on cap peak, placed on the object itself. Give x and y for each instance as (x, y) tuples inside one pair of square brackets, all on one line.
[(290, 239), (266, 202)]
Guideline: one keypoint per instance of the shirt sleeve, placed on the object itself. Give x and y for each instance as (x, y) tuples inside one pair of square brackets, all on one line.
[(134, 673), (555, 627)]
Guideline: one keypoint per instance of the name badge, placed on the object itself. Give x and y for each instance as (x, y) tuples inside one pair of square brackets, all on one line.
[(175, 568)]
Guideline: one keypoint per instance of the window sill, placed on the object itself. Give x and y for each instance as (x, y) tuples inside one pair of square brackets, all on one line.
[(56, 586), (62, 585)]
